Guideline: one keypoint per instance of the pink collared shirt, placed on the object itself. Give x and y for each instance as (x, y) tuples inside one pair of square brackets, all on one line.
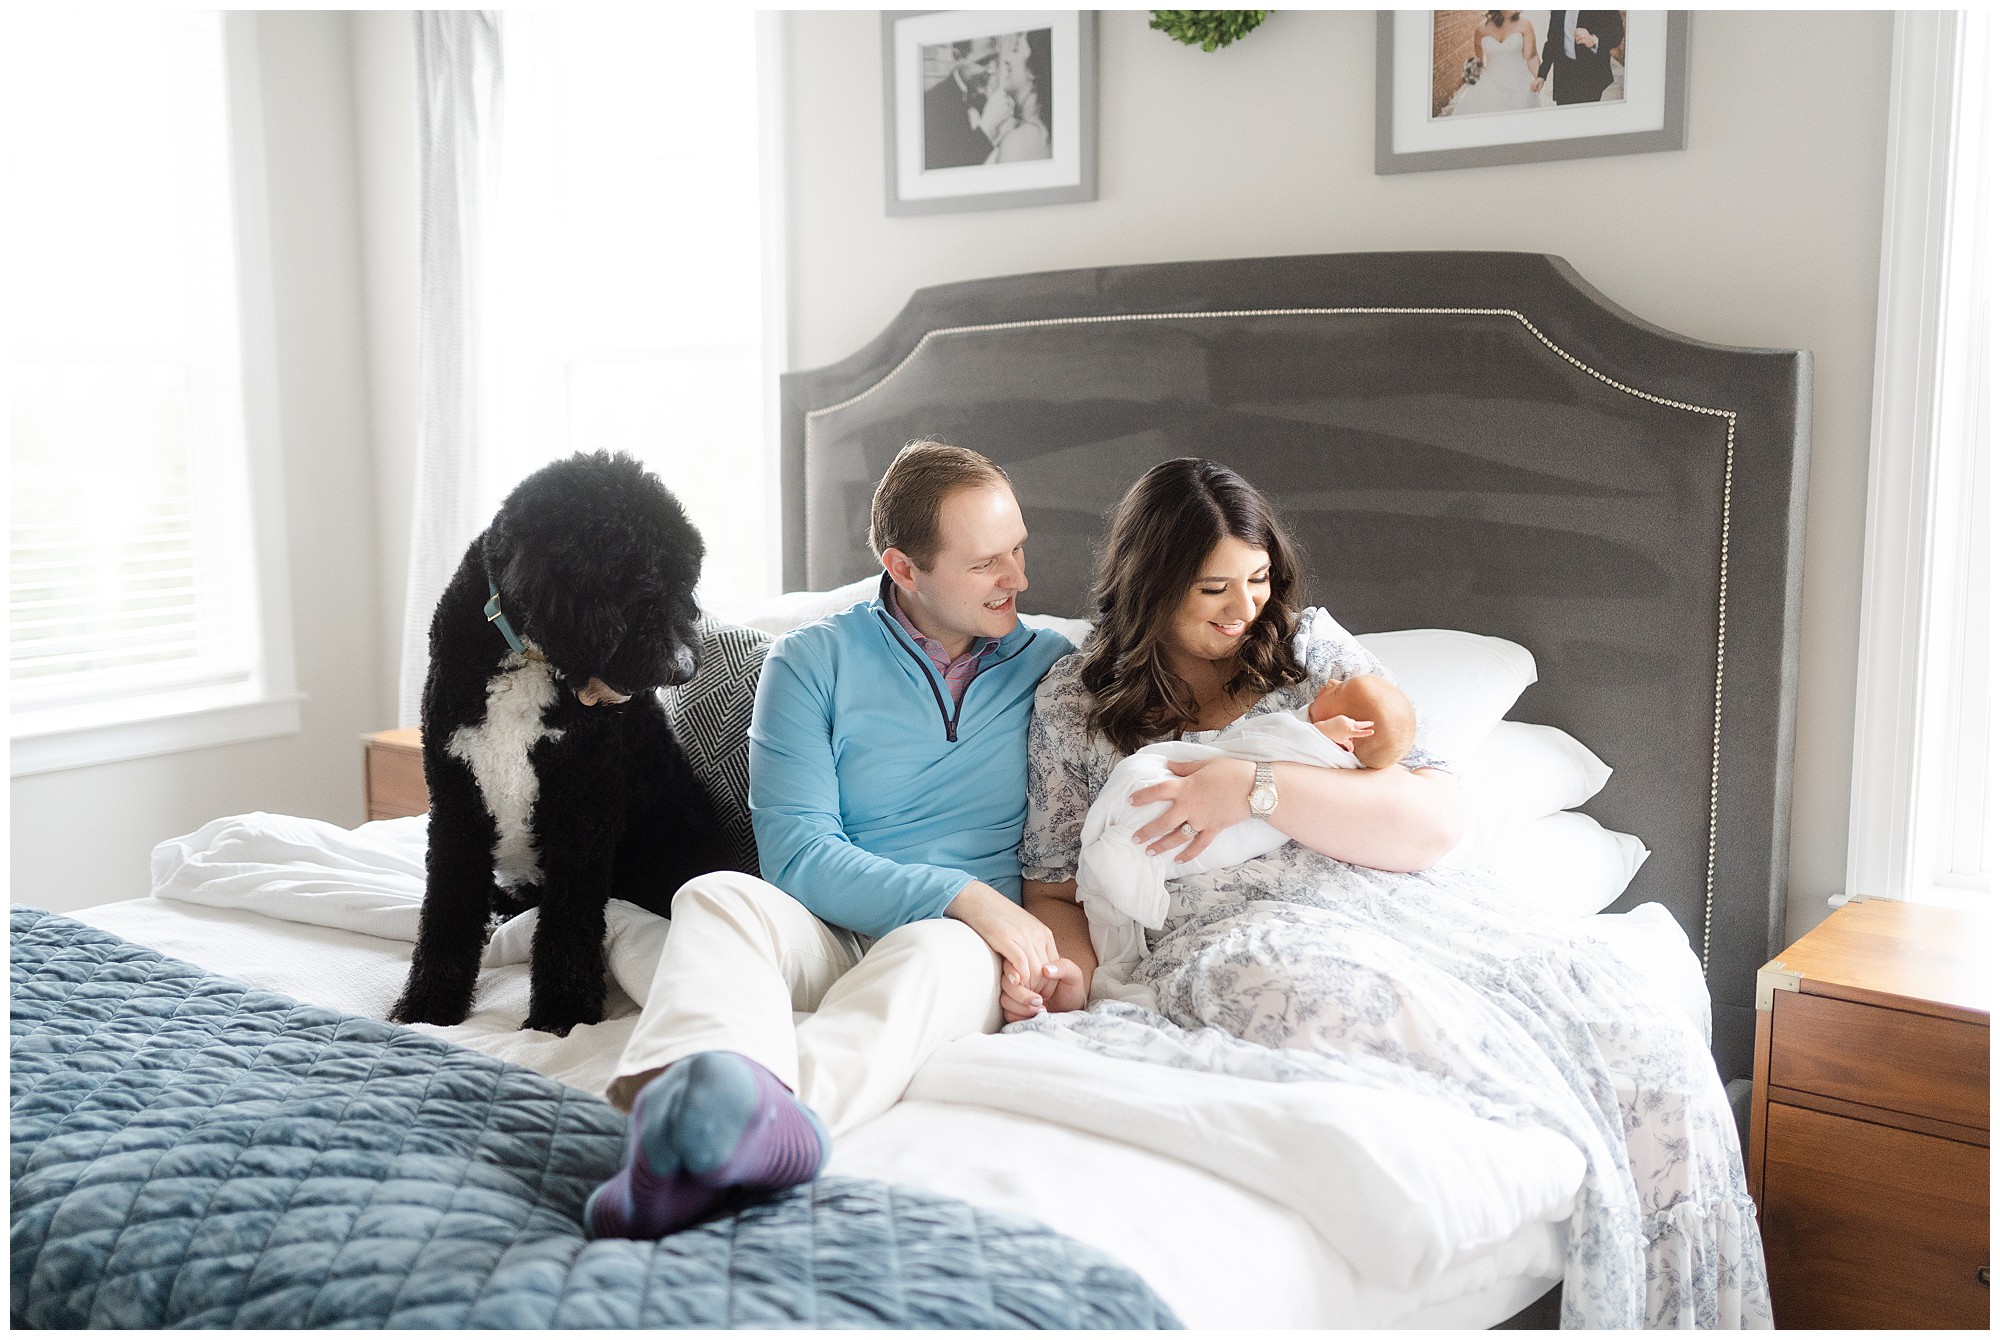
[(955, 673)]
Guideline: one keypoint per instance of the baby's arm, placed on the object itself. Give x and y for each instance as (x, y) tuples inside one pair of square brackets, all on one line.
[(1329, 715), (1344, 730)]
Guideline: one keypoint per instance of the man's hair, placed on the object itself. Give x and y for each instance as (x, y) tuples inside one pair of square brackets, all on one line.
[(912, 493)]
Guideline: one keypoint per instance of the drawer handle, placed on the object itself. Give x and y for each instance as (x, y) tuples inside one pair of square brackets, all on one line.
[(1986, 1276)]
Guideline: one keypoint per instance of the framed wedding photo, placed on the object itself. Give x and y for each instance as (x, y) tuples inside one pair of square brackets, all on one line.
[(1461, 88), (989, 109)]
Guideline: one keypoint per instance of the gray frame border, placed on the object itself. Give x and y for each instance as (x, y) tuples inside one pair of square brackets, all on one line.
[(1086, 187), (1671, 135)]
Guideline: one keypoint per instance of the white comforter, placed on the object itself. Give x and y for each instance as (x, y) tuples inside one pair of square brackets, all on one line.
[(1419, 1198)]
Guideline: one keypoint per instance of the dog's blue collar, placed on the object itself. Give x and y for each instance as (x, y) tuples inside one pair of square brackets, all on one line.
[(499, 620)]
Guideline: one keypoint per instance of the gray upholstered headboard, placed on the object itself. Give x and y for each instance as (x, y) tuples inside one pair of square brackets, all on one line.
[(1465, 440)]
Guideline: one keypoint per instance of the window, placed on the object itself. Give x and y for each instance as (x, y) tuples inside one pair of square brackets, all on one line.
[(1920, 816), (1960, 834), (628, 295), (142, 608)]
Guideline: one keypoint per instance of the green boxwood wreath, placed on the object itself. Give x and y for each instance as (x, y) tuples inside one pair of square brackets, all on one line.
[(1212, 28)]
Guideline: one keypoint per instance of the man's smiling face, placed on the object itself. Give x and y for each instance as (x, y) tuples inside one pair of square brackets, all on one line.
[(968, 592)]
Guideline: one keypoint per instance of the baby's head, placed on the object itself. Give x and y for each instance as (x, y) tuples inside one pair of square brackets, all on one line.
[(1371, 698)]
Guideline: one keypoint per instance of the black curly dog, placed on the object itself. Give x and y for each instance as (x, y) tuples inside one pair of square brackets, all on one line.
[(555, 780)]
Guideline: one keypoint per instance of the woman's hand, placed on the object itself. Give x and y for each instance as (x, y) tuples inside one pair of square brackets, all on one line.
[(1062, 988), (1208, 796)]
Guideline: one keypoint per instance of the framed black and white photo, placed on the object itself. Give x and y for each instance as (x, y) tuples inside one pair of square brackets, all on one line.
[(989, 109), (1473, 87)]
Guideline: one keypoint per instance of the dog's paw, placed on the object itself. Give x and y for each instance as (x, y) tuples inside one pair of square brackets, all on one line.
[(430, 1007), (559, 1020)]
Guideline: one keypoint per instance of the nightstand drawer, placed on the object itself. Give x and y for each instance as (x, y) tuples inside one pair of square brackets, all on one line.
[(1870, 1226), (1895, 1059)]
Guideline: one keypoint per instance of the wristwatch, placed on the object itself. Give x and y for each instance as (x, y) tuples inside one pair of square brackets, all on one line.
[(1264, 792)]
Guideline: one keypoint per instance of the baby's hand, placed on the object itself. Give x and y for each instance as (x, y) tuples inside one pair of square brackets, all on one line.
[(1344, 731)]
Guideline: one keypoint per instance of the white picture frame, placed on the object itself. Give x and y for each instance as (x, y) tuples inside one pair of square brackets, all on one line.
[(938, 174), (1650, 116)]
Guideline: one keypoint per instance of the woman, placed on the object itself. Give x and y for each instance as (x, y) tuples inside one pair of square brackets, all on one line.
[(1015, 116), (1352, 952), (1504, 44)]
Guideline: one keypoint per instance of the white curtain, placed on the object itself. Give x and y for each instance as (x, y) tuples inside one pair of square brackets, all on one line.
[(458, 134)]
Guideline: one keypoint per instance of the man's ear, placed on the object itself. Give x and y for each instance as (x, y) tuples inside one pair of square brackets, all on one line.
[(902, 571)]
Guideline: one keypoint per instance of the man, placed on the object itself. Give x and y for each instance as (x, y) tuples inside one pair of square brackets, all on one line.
[(888, 789), (955, 106), (1579, 51)]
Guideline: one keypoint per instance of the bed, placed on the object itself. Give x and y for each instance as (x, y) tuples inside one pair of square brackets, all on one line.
[(1469, 441)]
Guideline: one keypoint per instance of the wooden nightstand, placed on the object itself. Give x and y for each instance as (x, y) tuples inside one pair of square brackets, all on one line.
[(1869, 1119), (393, 773)]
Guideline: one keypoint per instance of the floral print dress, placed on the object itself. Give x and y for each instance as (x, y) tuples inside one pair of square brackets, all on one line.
[(1296, 966)]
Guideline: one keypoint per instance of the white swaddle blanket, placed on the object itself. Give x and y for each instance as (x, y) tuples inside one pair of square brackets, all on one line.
[(1123, 889)]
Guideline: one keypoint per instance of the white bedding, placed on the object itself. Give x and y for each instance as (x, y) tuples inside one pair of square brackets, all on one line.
[(1243, 1204)]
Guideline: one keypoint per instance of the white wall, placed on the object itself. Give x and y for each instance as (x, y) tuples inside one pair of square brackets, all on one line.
[(83, 836), (1765, 231)]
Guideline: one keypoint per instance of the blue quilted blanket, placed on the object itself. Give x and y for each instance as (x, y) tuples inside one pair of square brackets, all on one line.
[(189, 1151)]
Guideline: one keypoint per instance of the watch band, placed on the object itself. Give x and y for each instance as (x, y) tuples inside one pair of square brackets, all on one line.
[(1264, 791)]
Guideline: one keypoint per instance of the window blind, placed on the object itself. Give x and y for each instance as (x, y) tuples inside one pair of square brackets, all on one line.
[(129, 543)]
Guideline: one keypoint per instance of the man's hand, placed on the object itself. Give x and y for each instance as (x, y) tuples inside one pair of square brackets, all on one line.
[(1584, 38), (1025, 945), (1064, 989)]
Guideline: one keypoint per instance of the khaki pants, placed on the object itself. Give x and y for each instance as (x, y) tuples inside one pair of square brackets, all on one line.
[(742, 955)]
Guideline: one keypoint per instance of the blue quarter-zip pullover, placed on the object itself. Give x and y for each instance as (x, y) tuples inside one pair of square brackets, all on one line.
[(875, 799)]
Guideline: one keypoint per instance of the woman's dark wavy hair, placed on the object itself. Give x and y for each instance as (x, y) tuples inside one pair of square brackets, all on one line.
[(1163, 530)]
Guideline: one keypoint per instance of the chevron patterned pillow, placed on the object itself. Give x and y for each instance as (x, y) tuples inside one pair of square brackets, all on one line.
[(710, 715)]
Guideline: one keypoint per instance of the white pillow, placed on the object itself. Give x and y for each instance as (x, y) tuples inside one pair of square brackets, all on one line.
[(1520, 773), (1460, 683), (781, 614), (1076, 630), (1567, 865)]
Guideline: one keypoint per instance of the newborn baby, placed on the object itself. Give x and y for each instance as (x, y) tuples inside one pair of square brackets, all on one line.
[(1361, 722)]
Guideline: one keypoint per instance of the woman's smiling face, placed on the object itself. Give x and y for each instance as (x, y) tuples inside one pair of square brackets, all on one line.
[(1222, 603)]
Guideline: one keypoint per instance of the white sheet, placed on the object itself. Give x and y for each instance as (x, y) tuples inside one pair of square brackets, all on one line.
[(1271, 1230)]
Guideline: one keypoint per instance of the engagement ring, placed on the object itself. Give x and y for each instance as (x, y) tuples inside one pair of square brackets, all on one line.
[(1187, 830)]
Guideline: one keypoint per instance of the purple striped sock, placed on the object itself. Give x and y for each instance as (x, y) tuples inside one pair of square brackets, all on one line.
[(715, 1127)]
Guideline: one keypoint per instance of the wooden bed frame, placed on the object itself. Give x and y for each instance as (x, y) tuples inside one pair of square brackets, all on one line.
[(1473, 440)]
